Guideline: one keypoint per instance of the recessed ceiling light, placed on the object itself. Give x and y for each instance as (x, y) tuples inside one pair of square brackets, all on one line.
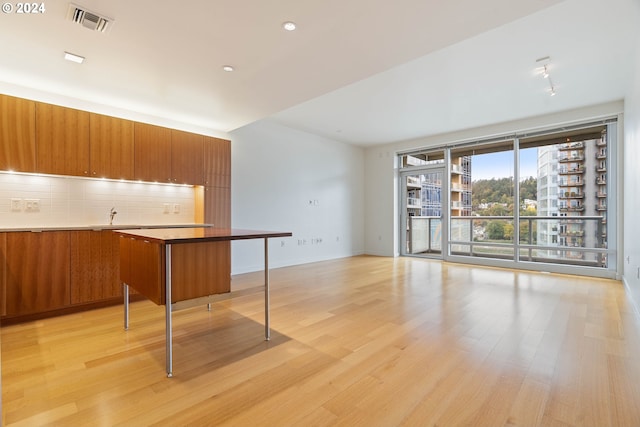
[(73, 57), (289, 25), (228, 68)]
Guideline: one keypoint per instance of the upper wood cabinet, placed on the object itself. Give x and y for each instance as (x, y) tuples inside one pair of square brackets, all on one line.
[(217, 206), (111, 147), (17, 134), (152, 158), (62, 140), (37, 272), (187, 158), (217, 162)]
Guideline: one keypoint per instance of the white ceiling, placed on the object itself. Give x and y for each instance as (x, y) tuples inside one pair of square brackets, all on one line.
[(359, 71)]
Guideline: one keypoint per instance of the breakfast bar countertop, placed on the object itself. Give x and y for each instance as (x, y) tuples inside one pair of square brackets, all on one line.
[(199, 234)]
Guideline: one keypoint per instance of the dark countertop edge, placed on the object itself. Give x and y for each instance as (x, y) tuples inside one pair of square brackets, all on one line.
[(228, 234), (99, 227)]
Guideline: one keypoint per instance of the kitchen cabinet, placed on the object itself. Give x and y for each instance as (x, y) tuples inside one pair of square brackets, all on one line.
[(37, 272), (62, 140), (217, 162), (95, 266), (187, 158), (217, 206), (142, 263), (17, 134), (152, 153), (3, 274), (111, 148)]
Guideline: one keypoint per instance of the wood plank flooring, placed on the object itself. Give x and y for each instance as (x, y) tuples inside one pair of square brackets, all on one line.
[(363, 341)]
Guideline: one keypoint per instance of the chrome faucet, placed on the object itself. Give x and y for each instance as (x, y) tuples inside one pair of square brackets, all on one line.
[(112, 213)]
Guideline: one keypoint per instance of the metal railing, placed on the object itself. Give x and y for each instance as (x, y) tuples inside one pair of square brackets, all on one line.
[(541, 239), (424, 234)]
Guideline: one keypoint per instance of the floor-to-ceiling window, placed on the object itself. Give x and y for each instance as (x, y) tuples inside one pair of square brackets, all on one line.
[(539, 200), (483, 225)]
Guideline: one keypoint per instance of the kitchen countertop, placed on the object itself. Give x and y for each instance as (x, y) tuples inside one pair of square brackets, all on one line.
[(100, 227), (167, 235)]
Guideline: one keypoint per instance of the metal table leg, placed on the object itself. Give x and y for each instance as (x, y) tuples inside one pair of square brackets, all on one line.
[(267, 328), (125, 293), (169, 349)]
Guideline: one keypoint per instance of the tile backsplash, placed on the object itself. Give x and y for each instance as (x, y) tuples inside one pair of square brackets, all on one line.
[(52, 201)]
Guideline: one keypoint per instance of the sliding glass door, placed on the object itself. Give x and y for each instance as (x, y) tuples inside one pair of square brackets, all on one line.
[(534, 200), (424, 199)]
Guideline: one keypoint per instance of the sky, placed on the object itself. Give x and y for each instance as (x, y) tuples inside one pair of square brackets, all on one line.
[(500, 165)]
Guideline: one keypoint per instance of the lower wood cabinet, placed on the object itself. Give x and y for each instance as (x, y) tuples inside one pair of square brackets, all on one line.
[(95, 266), (3, 274), (37, 272), (197, 269), (53, 270)]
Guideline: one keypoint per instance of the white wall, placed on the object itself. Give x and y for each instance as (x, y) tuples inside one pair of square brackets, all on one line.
[(631, 189), (71, 202), (288, 180), (381, 205)]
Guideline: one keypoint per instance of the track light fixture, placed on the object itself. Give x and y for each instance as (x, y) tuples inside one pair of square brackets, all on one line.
[(543, 69)]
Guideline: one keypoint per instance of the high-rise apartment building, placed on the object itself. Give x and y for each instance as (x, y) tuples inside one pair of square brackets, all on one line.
[(572, 180)]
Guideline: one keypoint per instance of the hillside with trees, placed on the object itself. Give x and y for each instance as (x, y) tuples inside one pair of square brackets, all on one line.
[(494, 197)]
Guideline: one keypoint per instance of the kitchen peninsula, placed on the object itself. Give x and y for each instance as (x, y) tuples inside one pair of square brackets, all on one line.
[(183, 267)]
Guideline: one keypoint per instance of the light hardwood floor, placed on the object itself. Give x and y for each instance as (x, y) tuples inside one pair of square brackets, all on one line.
[(363, 341)]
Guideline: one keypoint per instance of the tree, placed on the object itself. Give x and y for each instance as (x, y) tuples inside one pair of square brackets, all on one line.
[(495, 230)]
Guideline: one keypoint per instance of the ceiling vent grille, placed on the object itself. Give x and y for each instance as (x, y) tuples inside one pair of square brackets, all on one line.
[(90, 20)]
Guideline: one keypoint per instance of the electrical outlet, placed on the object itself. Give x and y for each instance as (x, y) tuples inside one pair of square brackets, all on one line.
[(176, 208), (32, 205), (16, 205), (166, 208)]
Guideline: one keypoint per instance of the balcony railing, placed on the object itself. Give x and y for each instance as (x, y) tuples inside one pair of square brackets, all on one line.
[(570, 171), (469, 237), (424, 235), (570, 195), (571, 146), (413, 203), (563, 183), (413, 181), (567, 159)]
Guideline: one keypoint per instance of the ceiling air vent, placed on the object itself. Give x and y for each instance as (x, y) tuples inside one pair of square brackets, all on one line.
[(90, 20)]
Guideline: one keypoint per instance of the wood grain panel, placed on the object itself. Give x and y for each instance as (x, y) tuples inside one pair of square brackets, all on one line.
[(3, 274), (17, 134), (62, 140), (142, 267), (200, 269), (38, 268), (217, 206), (152, 148), (111, 147), (187, 158), (217, 162), (95, 266)]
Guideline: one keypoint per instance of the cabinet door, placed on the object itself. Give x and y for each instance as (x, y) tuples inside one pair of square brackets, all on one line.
[(17, 134), (111, 147), (62, 140), (37, 270), (217, 206), (187, 158), (152, 158), (3, 274), (217, 162), (95, 266)]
